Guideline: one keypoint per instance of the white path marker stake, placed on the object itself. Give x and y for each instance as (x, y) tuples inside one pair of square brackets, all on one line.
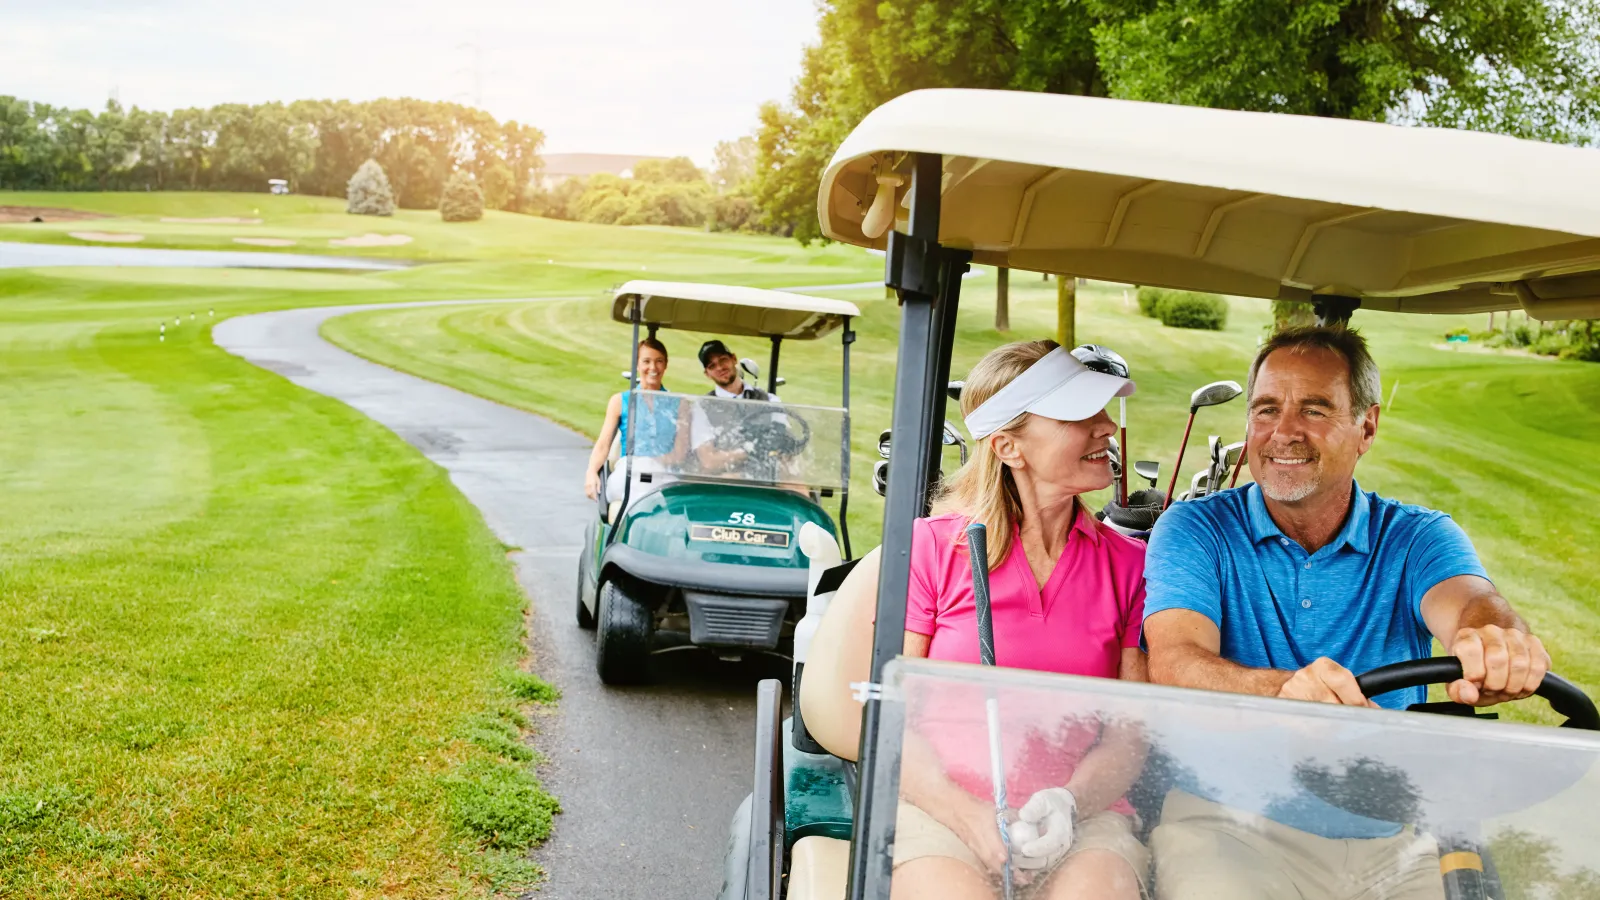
[(211, 313), (163, 332)]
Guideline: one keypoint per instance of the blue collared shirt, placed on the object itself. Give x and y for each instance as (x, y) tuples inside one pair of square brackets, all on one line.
[(1357, 601)]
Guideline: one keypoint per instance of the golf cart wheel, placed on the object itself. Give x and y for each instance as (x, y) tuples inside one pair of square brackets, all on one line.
[(623, 651)]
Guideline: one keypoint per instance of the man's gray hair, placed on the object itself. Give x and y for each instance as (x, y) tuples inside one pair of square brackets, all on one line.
[(1366, 388)]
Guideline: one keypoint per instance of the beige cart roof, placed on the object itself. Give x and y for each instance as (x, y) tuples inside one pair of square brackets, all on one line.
[(1255, 204), (726, 309)]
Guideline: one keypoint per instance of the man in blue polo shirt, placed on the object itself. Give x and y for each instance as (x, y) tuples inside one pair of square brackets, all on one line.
[(1286, 588)]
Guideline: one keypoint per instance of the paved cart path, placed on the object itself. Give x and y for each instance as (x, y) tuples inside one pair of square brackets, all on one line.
[(648, 777)]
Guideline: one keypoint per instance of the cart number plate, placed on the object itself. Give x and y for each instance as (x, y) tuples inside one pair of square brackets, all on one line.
[(725, 534)]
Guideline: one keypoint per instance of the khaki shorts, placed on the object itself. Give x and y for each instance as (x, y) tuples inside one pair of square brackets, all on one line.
[(1207, 851), (917, 835)]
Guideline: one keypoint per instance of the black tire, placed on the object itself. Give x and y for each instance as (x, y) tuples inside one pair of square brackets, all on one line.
[(622, 654), (585, 618)]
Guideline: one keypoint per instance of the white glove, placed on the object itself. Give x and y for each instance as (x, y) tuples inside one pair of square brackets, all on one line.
[(1043, 832)]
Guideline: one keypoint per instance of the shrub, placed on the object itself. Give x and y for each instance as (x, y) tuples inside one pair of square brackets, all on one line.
[(1150, 299), (1457, 332), (1183, 309), (368, 191), (462, 200)]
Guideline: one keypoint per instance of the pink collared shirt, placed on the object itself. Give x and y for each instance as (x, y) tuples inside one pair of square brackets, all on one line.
[(1090, 609)]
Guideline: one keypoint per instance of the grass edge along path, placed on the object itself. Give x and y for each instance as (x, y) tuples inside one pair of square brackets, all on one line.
[(252, 644)]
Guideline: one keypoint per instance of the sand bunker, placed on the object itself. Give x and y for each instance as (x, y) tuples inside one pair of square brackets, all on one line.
[(46, 214), (107, 237), (219, 220), (371, 240), (265, 242)]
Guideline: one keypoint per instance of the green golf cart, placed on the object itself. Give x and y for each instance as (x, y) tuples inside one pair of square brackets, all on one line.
[(695, 536), (1348, 216)]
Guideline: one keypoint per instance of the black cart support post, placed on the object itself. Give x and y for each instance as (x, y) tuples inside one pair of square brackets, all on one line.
[(915, 266)]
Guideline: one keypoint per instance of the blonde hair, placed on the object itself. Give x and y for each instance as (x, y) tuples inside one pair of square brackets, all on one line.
[(983, 489)]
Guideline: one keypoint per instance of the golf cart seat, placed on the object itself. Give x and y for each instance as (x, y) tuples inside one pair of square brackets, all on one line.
[(840, 655)]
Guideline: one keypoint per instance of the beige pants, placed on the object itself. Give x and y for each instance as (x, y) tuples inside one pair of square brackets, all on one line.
[(917, 835), (1206, 851)]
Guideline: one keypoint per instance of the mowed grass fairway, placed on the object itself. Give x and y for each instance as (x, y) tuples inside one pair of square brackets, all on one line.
[(1504, 443), (251, 643)]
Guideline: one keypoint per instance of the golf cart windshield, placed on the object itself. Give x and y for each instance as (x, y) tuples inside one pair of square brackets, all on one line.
[(702, 437), (1429, 793)]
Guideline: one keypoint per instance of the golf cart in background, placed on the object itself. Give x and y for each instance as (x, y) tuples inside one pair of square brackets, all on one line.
[(700, 548), (1345, 215)]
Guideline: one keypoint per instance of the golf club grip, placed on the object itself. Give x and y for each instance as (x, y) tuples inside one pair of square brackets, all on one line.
[(978, 550)]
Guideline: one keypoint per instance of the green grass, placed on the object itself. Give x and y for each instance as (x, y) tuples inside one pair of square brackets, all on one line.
[(251, 643), (1504, 443)]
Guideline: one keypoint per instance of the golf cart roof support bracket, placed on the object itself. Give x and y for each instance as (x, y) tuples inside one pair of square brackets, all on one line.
[(928, 280), (1333, 310), (911, 265), (653, 327), (1310, 233), (772, 369), (1214, 221), (1120, 214)]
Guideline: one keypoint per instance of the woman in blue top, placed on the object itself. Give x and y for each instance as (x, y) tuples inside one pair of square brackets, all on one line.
[(655, 433)]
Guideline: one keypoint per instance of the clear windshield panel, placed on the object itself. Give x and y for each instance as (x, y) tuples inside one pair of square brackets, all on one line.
[(697, 436), (1208, 795)]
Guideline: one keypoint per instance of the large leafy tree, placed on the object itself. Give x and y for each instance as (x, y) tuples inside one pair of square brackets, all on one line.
[(1525, 67)]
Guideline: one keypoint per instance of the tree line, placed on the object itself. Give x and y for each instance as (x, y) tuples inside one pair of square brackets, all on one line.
[(316, 145)]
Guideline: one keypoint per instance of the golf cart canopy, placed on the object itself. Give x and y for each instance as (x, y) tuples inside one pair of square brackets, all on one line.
[(1421, 220), (729, 310)]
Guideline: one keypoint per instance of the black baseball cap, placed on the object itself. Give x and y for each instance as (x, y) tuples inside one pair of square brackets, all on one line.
[(710, 349)]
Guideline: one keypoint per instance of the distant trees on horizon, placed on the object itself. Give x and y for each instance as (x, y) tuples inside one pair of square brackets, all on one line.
[(316, 145)]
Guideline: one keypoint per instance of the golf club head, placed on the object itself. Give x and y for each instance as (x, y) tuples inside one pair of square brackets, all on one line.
[(953, 390), (883, 443), (751, 368), (1215, 394), (1148, 469), (1224, 466), (627, 376), (953, 438), (880, 477), (1102, 359), (1115, 452), (1214, 448)]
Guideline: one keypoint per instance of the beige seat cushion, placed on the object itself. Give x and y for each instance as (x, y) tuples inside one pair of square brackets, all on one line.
[(819, 867), (841, 653)]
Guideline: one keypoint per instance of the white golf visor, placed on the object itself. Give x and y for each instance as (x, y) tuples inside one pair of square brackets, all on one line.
[(1056, 387)]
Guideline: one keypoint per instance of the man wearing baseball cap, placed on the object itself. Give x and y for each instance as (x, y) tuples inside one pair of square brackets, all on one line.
[(714, 424)]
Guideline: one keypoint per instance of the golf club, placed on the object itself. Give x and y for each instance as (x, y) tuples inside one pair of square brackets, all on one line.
[(1109, 362), (1232, 456), (1213, 458), (1213, 394), (1237, 466), (978, 551), (1149, 470)]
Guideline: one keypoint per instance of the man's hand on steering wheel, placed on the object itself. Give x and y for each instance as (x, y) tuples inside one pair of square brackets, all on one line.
[(1497, 664)]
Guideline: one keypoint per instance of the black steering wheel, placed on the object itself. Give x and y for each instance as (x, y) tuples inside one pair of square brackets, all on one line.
[(767, 438), (1564, 697)]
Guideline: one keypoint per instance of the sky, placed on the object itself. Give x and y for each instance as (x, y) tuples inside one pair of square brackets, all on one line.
[(652, 77)]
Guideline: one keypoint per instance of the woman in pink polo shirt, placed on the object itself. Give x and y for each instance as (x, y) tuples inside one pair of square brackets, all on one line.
[(1067, 596)]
